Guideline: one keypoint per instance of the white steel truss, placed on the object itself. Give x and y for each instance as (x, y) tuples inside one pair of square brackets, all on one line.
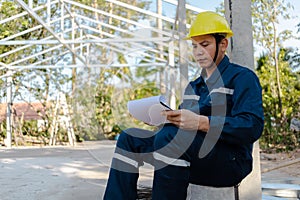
[(77, 31), (82, 34)]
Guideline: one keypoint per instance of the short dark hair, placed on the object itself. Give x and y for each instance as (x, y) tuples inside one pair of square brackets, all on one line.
[(219, 37)]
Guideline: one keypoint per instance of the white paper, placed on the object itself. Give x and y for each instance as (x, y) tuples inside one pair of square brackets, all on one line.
[(148, 110)]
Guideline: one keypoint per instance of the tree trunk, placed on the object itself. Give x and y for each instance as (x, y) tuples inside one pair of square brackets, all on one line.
[(277, 66)]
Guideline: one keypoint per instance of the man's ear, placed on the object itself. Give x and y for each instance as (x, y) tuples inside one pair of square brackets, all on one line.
[(224, 44)]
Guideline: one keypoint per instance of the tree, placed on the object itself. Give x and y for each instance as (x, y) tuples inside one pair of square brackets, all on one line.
[(36, 83), (97, 91), (274, 67), (277, 134), (266, 15)]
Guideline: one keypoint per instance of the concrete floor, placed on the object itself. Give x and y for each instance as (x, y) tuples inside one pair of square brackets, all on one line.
[(63, 173), (58, 173)]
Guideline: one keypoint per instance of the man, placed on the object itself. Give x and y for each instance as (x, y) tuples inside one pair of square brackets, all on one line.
[(209, 138)]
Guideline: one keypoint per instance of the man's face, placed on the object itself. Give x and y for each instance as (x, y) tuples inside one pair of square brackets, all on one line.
[(204, 49)]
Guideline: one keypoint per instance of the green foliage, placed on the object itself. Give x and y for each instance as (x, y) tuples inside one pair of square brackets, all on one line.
[(43, 84), (111, 101), (274, 67), (277, 134), (101, 119), (35, 82), (266, 16), (28, 134), (84, 106), (99, 110)]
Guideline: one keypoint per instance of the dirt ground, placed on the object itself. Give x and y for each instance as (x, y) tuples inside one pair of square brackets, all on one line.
[(281, 161), (280, 168)]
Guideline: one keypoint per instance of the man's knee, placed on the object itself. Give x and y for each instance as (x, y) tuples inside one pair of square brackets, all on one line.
[(125, 139), (135, 140), (123, 136)]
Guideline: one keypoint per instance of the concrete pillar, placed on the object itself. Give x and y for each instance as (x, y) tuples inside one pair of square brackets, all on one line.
[(241, 51), (199, 192), (182, 46), (239, 16)]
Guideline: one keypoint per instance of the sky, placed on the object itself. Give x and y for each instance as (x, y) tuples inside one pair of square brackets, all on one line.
[(283, 25)]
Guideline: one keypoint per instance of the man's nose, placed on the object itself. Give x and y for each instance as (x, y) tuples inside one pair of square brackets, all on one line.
[(199, 50)]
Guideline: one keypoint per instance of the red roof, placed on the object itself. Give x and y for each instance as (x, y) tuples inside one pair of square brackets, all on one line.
[(31, 111)]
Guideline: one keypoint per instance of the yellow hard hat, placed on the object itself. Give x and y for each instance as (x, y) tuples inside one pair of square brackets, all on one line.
[(209, 22)]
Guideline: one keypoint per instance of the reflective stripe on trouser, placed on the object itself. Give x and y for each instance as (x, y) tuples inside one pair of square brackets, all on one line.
[(121, 185), (172, 163), (123, 175), (170, 181)]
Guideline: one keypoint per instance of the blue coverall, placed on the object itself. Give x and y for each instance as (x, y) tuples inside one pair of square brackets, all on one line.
[(231, 98)]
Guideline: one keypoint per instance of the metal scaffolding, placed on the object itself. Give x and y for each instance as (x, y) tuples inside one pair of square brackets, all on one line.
[(83, 31), (72, 33)]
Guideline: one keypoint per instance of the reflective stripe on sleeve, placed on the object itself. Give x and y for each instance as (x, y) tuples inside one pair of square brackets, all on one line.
[(126, 160), (193, 97), (222, 90), (171, 161)]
